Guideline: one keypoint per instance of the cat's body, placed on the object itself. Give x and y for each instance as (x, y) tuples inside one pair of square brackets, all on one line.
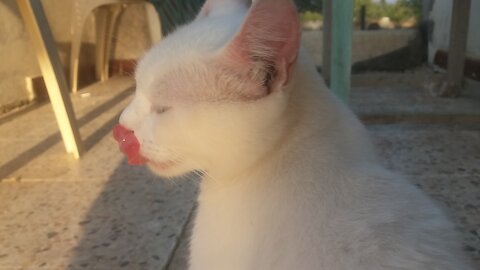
[(291, 181), (320, 200)]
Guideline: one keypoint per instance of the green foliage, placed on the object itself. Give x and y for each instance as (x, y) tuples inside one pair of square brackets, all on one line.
[(398, 12), (310, 16), (404, 10)]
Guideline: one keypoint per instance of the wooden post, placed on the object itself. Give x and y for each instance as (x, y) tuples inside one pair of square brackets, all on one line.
[(52, 71), (458, 44), (342, 15), (327, 40)]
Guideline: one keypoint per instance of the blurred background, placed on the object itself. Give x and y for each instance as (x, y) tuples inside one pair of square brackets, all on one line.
[(388, 36)]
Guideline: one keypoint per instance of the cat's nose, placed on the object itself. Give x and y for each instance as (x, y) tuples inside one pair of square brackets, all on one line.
[(129, 145)]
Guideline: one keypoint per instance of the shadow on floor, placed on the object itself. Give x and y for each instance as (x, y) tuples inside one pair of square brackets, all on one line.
[(135, 222), (20, 112), (25, 157)]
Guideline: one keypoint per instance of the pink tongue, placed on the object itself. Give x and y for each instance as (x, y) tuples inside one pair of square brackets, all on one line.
[(129, 145)]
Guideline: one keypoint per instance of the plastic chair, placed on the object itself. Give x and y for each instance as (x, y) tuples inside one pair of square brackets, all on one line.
[(106, 16), (36, 24)]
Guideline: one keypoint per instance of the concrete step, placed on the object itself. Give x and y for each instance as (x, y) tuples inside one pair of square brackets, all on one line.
[(410, 97)]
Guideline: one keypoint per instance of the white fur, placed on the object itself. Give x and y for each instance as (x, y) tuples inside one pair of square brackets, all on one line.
[(290, 179)]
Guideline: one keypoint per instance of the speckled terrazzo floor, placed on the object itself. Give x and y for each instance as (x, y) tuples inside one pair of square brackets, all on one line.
[(95, 213), (100, 213), (444, 161)]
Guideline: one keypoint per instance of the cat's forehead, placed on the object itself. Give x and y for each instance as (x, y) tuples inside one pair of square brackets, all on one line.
[(185, 78), (200, 38), (203, 81), (182, 59)]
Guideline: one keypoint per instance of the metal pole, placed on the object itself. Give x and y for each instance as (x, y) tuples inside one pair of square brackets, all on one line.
[(327, 40), (342, 48)]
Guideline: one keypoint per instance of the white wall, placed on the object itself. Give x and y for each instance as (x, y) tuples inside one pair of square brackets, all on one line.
[(441, 15), (17, 59)]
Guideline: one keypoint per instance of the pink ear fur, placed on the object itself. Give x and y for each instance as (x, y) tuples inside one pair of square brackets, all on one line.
[(212, 6), (269, 37)]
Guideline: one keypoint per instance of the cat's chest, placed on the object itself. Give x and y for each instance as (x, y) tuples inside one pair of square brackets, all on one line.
[(251, 237), (253, 223), (227, 209)]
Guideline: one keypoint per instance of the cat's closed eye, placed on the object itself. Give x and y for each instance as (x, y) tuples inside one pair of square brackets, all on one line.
[(160, 109)]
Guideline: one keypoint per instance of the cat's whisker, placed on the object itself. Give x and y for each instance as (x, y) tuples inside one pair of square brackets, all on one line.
[(192, 177), (199, 172)]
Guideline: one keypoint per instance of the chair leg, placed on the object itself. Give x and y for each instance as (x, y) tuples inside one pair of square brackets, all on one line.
[(115, 12), (77, 32), (102, 18), (154, 23)]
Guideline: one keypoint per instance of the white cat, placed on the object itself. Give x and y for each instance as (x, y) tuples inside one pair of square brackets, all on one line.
[(290, 180)]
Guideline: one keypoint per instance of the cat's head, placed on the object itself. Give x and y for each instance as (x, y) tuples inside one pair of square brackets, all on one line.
[(213, 94)]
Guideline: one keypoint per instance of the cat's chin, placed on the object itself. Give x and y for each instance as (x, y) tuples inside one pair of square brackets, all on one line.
[(166, 169)]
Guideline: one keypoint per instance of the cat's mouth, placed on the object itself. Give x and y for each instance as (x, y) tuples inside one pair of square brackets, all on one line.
[(129, 145)]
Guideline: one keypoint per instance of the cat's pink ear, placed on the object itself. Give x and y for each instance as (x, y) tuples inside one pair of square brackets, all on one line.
[(268, 39), (212, 6)]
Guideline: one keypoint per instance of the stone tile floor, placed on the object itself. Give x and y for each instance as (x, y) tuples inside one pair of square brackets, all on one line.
[(100, 213)]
